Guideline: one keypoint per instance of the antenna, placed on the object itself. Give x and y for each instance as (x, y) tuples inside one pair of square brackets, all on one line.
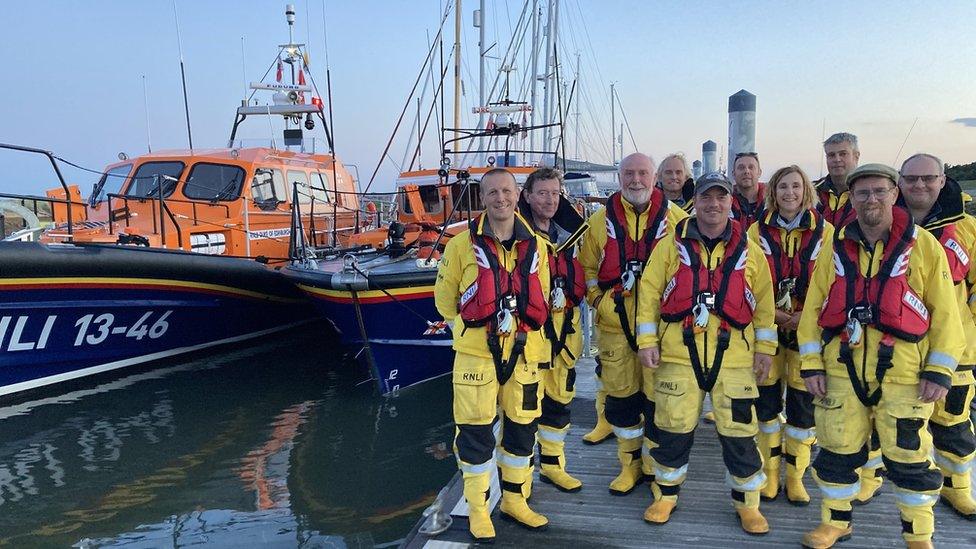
[(145, 95), (244, 71), (897, 156), (186, 104)]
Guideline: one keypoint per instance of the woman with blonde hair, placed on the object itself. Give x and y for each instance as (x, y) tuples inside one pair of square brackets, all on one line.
[(791, 234)]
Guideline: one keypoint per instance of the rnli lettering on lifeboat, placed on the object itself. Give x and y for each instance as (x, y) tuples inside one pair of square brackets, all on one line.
[(208, 243)]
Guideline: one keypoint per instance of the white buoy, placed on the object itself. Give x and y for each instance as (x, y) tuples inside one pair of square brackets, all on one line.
[(742, 125), (709, 156)]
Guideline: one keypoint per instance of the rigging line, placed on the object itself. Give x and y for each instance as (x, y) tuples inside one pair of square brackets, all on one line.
[(391, 296), (626, 123), (430, 112), (895, 163), (325, 37), (406, 104)]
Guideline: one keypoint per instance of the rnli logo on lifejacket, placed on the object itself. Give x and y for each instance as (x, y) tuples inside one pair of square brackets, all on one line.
[(481, 258), (669, 288), (469, 293), (951, 244), (472, 376), (914, 302), (611, 234), (750, 299)]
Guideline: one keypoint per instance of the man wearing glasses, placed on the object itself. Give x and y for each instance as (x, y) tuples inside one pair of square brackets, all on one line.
[(747, 199), (842, 155), (936, 204), (868, 356)]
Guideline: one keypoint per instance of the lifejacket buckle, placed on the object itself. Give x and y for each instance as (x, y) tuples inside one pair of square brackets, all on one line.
[(508, 302), (628, 278), (784, 294)]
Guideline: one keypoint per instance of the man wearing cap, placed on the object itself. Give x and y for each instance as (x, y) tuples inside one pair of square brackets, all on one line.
[(842, 155), (706, 325), (936, 203), (868, 352), (747, 197), (614, 253)]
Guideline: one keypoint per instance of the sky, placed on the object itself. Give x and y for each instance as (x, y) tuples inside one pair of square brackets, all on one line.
[(896, 73)]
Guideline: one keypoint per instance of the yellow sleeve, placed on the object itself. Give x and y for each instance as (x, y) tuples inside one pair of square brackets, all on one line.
[(946, 339), (447, 288), (808, 332), (591, 253), (764, 317), (651, 290)]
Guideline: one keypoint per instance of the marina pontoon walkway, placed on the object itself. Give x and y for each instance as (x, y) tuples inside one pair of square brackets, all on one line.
[(704, 517)]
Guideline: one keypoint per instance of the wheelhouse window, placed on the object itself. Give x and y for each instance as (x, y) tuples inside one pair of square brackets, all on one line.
[(469, 200), (429, 196), (214, 182), (144, 183), (321, 188), (300, 179), (111, 182)]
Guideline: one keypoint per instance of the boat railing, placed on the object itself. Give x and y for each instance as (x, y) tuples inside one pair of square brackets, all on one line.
[(158, 221), (68, 203)]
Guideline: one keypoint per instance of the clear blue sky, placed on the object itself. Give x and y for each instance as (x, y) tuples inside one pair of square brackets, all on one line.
[(73, 81)]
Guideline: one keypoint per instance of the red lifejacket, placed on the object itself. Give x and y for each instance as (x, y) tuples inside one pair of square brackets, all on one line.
[(798, 267), (621, 249), (566, 272), (840, 216), (956, 254), (732, 299), (885, 299), (495, 287), (746, 213)]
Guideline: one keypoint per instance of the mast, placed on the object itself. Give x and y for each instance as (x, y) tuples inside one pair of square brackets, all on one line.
[(186, 103), (535, 69), (457, 72), (578, 82), (613, 125), (546, 88), (480, 23)]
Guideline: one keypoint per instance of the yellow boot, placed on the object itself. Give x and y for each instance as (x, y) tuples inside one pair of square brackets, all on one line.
[(603, 430), (660, 511), (956, 494), (629, 454), (825, 536), (870, 484), (926, 544), (769, 442), (797, 457), (552, 459), (479, 516), (752, 521), (513, 506)]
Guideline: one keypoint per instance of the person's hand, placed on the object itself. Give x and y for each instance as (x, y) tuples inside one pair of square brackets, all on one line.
[(930, 391), (782, 318), (650, 357), (816, 385), (761, 365), (794, 322)]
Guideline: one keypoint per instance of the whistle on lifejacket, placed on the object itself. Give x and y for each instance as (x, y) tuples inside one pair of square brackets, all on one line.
[(505, 317), (784, 294), (702, 311), (628, 279), (857, 317), (558, 296)]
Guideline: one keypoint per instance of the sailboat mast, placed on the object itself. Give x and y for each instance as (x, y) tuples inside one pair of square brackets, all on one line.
[(613, 128), (578, 83), (535, 70), (457, 72)]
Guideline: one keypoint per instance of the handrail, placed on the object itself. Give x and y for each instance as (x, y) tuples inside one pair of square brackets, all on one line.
[(67, 193)]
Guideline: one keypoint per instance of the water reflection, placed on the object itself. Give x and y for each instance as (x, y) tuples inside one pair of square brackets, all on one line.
[(278, 443)]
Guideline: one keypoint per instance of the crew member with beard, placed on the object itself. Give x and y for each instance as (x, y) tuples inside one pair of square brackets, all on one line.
[(614, 252), (879, 338)]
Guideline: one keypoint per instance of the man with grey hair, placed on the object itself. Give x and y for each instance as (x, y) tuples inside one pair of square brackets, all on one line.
[(936, 204), (842, 156), (614, 251), (675, 180)]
